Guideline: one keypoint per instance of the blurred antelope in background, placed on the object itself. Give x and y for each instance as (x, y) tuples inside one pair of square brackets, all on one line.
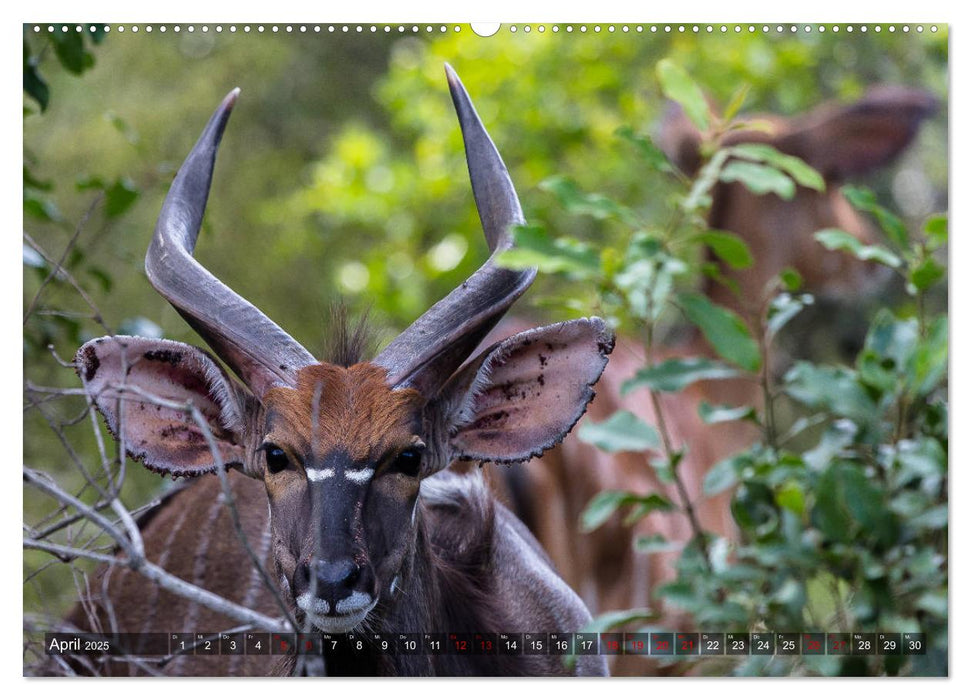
[(550, 494), (338, 468)]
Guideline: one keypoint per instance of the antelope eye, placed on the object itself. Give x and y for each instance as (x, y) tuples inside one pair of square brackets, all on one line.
[(276, 459), (408, 461)]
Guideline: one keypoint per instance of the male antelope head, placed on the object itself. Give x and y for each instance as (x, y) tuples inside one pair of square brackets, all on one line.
[(343, 450)]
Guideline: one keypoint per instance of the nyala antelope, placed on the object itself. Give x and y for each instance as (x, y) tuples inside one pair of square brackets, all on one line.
[(365, 526)]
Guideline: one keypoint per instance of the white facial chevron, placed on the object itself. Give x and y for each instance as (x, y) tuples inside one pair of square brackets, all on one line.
[(358, 476)]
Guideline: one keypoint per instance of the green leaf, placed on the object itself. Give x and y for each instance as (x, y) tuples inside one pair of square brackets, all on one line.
[(646, 505), (834, 440), (926, 274), (590, 204), (678, 593), (923, 461), (103, 278), (649, 544), (619, 618), (69, 47), (791, 497), (936, 229), (40, 207), (754, 509), (97, 33), (728, 247), (646, 149), (760, 179), (834, 239), (794, 167), (784, 308), (602, 506), (893, 339), (829, 513), (864, 200), (849, 505), (677, 85), (34, 85), (677, 373), (647, 277), (534, 248), (934, 602), (31, 180), (122, 127), (664, 466), (865, 501), (721, 414), (119, 197), (934, 519), (89, 182), (736, 102), (791, 279), (725, 474), (928, 366), (722, 328), (834, 389), (699, 197), (622, 432)]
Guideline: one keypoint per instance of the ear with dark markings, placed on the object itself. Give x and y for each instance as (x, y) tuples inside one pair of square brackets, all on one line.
[(851, 140), (123, 374), (523, 395)]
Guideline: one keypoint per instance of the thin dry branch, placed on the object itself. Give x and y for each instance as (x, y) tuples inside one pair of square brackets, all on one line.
[(124, 531), (57, 268)]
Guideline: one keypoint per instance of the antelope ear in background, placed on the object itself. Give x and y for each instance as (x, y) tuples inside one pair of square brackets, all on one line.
[(123, 374), (840, 141), (853, 140), (679, 139)]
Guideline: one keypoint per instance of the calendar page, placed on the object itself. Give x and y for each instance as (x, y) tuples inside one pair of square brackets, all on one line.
[(515, 349)]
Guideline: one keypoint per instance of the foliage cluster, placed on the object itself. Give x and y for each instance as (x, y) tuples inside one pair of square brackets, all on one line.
[(842, 509)]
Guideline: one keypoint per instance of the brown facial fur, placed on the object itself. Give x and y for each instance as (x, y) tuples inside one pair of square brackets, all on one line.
[(338, 420), (331, 407)]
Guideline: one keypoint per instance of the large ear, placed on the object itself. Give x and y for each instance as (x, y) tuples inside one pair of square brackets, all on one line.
[(851, 140), (523, 395), (123, 375)]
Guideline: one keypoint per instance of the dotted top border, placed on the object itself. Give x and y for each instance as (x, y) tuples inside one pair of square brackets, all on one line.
[(513, 28)]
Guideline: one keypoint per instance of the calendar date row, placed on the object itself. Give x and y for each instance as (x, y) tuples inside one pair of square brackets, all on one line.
[(537, 643)]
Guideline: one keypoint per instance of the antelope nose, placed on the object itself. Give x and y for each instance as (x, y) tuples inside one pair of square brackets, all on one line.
[(334, 579)]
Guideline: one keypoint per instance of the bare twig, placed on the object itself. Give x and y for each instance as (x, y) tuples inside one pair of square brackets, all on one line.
[(170, 583), (230, 502), (698, 534), (45, 484), (130, 540), (57, 267)]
